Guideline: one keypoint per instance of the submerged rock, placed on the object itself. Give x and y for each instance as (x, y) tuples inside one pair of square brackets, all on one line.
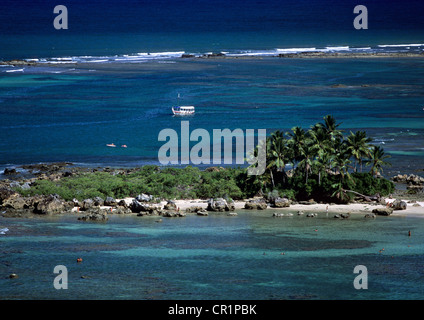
[(96, 214), (383, 211), (370, 216), (276, 214), (173, 214), (342, 216)]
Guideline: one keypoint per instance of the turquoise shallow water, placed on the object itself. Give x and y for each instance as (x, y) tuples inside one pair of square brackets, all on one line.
[(70, 112), (215, 257)]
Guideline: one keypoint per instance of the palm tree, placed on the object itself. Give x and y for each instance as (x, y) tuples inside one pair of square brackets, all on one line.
[(377, 160), (342, 164), (307, 154), (330, 126), (296, 143), (276, 153), (358, 146), (321, 143)]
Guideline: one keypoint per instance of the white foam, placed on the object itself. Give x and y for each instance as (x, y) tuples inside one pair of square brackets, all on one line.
[(342, 48), (4, 230), (15, 70), (400, 45), (291, 50)]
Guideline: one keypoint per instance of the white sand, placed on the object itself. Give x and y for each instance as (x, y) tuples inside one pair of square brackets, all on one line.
[(319, 207)]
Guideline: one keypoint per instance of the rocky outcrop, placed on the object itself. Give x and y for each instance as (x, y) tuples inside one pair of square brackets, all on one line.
[(98, 201), (220, 205), (370, 216), (415, 183), (173, 214), (47, 205), (411, 179), (256, 204), (52, 204), (383, 211), (280, 203), (18, 202), (6, 193), (144, 208), (398, 205), (95, 214), (342, 216), (9, 171), (110, 202), (87, 204), (144, 198), (170, 205)]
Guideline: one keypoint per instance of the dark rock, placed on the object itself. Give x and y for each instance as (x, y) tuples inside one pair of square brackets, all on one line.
[(122, 203), (6, 193), (9, 171), (18, 203), (383, 211), (309, 202), (144, 208), (87, 204), (121, 210), (110, 202), (75, 202), (370, 216), (170, 206), (171, 213), (95, 214), (97, 201), (399, 205), (342, 216)]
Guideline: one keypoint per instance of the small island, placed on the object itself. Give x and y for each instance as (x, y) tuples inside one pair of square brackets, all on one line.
[(327, 168)]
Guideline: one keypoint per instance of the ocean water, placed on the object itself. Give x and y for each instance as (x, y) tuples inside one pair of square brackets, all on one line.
[(117, 71), (252, 256), (114, 75), (70, 112)]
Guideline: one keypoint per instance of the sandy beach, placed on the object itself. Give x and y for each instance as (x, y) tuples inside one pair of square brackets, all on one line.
[(415, 209)]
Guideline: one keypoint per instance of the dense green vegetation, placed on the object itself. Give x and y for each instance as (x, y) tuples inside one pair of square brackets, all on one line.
[(325, 165)]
